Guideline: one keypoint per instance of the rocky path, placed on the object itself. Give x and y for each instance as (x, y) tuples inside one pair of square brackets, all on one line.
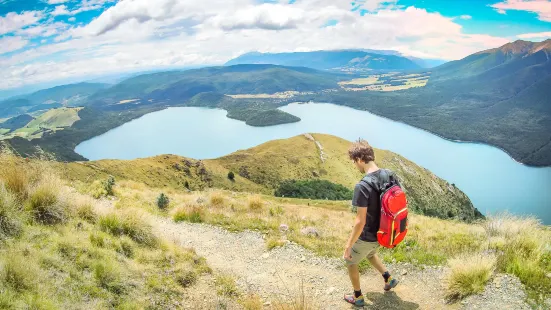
[(281, 273)]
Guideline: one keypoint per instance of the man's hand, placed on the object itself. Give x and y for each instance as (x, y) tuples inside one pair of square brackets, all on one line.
[(347, 253)]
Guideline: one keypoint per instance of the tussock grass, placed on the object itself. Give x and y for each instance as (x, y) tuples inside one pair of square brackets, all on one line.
[(273, 243), (84, 209), (17, 274), (226, 286), (128, 224), (469, 274), (217, 199), (524, 248), (255, 203), (15, 179), (46, 203), (10, 223), (191, 213), (252, 302)]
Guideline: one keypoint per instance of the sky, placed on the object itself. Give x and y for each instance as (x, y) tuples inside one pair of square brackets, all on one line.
[(42, 41)]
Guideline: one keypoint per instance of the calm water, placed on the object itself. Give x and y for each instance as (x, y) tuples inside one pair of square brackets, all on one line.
[(492, 179)]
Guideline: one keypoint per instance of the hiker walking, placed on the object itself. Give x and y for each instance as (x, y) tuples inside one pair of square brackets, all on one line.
[(369, 232)]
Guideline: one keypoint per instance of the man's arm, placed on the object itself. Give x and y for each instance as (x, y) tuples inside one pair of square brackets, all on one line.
[(359, 224), (360, 201)]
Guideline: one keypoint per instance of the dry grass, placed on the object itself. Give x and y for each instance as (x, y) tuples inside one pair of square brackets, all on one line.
[(15, 179), (128, 224), (469, 274), (217, 199), (255, 203), (46, 203), (252, 302)]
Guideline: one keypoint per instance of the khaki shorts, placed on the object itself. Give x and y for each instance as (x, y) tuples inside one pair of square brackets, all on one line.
[(362, 249)]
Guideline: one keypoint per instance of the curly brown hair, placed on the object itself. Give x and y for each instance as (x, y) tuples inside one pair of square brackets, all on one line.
[(361, 150)]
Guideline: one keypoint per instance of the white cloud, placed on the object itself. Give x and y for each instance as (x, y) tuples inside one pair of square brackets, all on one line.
[(136, 34), (57, 1), (466, 17), (13, 21), (72, 19), (535, 35), (61, 10), (10, 44), (540, 7)]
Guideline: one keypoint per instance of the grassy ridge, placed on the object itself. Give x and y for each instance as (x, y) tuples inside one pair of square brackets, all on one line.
[(263, 168)]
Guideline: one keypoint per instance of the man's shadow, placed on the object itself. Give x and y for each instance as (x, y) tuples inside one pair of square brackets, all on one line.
[(386, 301)]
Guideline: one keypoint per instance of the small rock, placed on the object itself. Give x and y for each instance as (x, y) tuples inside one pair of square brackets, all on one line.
[(404, 272), (283, 227), (265, 255), (330, 290), (302, 258), (549, 275), (267, 303)]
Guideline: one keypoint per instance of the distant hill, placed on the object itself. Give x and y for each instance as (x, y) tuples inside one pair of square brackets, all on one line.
[(17, 122), (239, 79), (65, 95), (346, 60)]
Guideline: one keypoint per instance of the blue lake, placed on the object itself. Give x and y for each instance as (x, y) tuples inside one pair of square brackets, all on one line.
[(490, 177)]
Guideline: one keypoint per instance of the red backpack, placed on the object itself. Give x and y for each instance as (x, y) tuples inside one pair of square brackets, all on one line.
[(393, 226)]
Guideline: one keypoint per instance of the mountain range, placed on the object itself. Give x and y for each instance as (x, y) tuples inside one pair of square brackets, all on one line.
[(345, 60)]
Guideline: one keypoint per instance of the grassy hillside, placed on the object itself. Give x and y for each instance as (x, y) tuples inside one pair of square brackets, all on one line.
[(77, 258), (263, 168), (59, 252), (50, 121), (299, 158), (16, 122)]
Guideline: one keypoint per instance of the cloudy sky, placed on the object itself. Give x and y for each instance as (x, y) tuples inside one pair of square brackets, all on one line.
[(50, 40)]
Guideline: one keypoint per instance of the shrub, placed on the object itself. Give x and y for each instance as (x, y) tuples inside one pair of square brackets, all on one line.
[(313, 189), (231, 176), (255, 203), (44, 203), (469, 274), (195, 215), (129, 225), (163, 201), (252, 302), (216, 199), (278, 210)]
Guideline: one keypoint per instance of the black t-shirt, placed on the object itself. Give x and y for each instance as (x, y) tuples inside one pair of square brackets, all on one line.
[(368, 194)]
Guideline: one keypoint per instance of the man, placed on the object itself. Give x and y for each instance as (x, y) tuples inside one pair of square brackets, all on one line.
[(363, 239)]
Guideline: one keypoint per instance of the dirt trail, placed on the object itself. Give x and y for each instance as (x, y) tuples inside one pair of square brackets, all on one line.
[(277, 275)]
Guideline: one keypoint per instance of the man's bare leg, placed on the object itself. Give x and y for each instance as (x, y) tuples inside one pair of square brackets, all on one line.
[(377, 263), (354, 274)]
